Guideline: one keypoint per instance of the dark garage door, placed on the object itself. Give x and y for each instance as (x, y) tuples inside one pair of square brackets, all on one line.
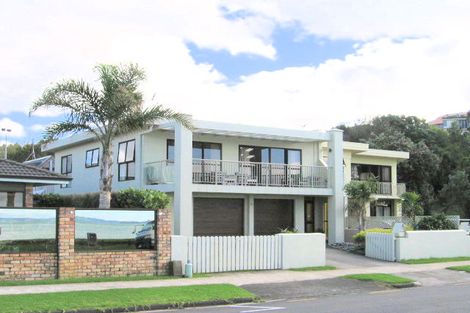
[(272, 215), (218, 217)]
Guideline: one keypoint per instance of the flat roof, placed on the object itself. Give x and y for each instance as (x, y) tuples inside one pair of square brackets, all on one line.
[(209, 127)]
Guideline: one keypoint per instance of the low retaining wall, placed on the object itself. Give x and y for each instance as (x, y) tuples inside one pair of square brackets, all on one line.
[(241, 253), (432, 244)]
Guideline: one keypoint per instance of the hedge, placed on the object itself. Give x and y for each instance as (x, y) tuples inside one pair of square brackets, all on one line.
[(123, 199)]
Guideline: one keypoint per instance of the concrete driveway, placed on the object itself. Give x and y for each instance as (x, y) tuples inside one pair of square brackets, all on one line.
[(345, 260)]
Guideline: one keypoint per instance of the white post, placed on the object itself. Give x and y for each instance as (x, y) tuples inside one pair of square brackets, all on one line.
[(183, 202), (299, 214), (251, 215), (336, 202)]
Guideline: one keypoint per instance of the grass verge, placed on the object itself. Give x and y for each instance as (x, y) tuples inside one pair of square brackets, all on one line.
[(139, 298), (87, 280), (463, 268), (435, 260), (314, 268), (382, 278)]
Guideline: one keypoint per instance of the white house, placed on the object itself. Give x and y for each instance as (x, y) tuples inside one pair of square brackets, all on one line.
[(229, 179)]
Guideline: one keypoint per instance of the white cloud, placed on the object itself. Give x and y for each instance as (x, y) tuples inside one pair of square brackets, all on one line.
[(423, 75), (17, 130), (38, 127)]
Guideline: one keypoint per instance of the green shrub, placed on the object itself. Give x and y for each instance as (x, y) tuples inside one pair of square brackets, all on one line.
[(360, 237), (435, 222), (48, 200), (124, 199)]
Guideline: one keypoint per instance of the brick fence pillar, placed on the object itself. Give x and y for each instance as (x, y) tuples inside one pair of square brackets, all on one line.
[(163, 225), (65, 242), (28, 196)]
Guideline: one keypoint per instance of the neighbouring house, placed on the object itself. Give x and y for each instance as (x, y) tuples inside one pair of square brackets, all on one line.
[(46, 163), (446, 121), (228, 179), (17, 181)]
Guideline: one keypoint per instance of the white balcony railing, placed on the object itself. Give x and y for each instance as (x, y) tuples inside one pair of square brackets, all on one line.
[(218, 172)]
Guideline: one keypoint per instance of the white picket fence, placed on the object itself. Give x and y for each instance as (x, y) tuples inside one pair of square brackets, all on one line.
[(238, 253), (380, 246), (249, 253)]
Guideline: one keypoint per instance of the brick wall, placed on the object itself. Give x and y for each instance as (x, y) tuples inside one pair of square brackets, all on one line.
[(28, 266), (113, 263), (67, 263)]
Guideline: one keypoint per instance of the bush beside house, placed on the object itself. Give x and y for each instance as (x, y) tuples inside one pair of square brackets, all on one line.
[(123, 199)]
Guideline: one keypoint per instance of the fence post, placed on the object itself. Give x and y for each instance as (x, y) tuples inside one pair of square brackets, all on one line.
[(65, 242), (163, 226)]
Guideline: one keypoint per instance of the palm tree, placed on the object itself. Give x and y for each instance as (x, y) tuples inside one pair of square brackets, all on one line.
[(115, 109)]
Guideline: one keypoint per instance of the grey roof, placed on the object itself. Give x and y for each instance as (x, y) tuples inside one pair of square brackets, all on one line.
[(39, 162), (13, 169)]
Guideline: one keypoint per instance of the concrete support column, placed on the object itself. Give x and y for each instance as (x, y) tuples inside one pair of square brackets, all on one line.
[(250, 216), (183, 201), (299, 214), (336, 202)]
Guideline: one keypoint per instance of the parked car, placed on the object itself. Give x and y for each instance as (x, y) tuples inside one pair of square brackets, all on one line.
[(145, 238)]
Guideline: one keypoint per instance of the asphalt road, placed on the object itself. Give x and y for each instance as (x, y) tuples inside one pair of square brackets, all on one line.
[(453, 298)]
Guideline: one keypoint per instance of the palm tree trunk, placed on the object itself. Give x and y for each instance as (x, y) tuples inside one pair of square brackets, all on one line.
[(106, 178)]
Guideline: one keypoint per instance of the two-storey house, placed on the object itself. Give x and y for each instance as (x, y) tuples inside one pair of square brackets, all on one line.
[(225, 179)]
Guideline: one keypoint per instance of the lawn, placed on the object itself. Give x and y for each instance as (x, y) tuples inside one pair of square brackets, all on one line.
[(313, 268), (121, 298), (436, 260), (88, 280), (381, 277), (463, 268)]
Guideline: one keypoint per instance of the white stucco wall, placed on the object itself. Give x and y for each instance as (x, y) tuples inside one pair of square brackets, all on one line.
[(303, 250), (87, 179), (433, 244)]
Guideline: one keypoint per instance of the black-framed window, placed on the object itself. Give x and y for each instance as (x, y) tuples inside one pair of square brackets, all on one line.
[(92, 157), (66, 164), (382, 207), (201, 150), (270, 155), (126, 160), (364, 171)]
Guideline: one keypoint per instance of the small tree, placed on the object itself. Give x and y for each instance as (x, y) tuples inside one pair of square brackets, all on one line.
[(410, 205), (359, 194), (114, 109)]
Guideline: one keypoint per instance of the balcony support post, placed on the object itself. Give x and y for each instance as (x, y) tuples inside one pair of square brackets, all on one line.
[(336, 201), (183, 201)]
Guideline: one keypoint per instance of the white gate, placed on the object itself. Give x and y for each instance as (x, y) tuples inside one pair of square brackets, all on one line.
[(380, 246), (238, 253)]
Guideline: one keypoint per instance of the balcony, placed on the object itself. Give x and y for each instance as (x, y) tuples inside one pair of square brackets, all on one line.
[(239, 173), (384, 188)]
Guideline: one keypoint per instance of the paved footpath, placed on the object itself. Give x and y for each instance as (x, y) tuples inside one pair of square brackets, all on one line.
[(346, 264)]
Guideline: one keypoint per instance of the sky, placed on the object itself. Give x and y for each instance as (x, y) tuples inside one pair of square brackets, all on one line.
[(283, 63)]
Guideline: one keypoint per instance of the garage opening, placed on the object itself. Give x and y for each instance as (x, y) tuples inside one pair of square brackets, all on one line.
[(273, 215), (218, 217)]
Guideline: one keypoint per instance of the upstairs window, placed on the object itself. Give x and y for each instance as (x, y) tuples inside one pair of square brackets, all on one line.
[(126, 160), (201, 150), (66, 168), (66, 164), (92, 158)]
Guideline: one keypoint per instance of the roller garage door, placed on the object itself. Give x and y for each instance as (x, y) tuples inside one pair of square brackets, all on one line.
[(272, 215), (218, 217)]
